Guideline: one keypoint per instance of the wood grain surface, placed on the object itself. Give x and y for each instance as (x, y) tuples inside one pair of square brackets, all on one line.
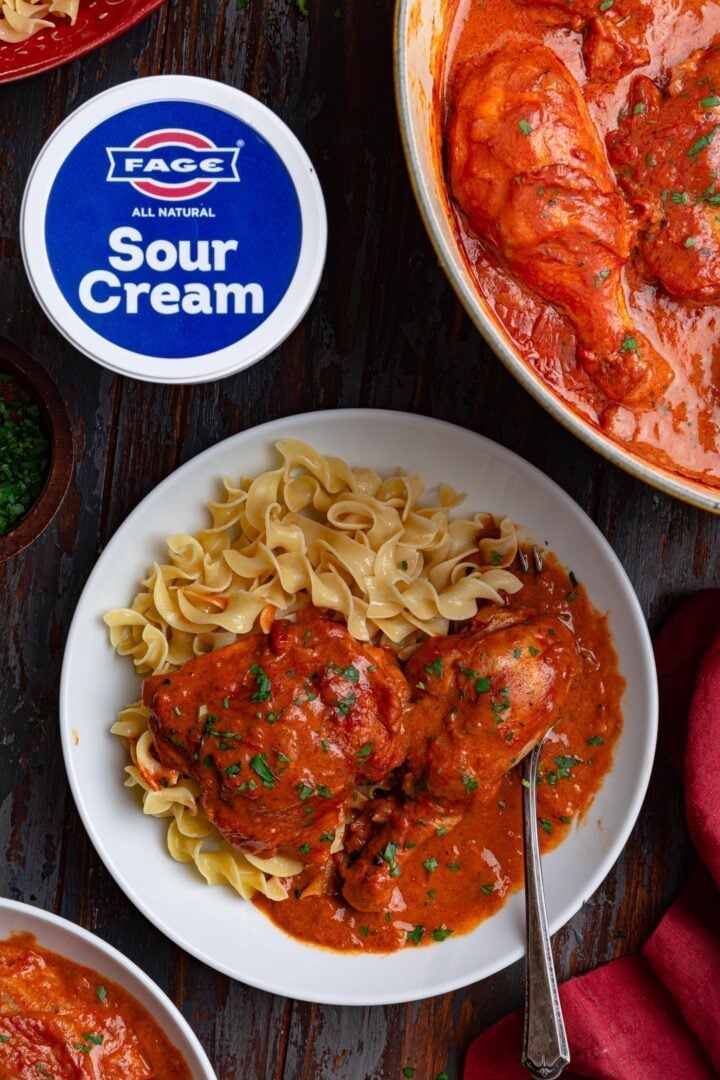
[(385, 331)]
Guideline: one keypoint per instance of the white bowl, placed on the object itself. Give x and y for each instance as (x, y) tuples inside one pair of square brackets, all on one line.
[(211, 922), (82, 947), (419, 35)]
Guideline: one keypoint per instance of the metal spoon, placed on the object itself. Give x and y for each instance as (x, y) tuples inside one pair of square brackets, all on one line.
[(545, 1046)]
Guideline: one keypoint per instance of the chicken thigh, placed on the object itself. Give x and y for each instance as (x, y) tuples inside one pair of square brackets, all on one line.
[(277, 730), (667, 159), (528, 170), (484, 698)]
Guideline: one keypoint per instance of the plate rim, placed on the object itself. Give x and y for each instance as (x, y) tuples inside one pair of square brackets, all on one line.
[(271, 984)]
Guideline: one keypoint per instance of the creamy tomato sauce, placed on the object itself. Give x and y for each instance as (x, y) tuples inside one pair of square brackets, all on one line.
[(681, 432), (465, 874), (61, 1020)]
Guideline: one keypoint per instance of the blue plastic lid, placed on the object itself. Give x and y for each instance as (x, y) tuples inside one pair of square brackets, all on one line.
[(174, 229)]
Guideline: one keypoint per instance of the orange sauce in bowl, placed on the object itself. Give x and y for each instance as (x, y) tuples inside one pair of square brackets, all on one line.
[(61, 1020)]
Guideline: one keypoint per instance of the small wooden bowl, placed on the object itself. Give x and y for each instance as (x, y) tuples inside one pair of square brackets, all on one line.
[(13, 361)]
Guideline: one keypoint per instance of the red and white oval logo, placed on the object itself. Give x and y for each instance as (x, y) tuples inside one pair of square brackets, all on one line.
[(173, 164)]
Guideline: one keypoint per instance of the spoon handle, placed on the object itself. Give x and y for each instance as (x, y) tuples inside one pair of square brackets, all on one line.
[(545, 1046)]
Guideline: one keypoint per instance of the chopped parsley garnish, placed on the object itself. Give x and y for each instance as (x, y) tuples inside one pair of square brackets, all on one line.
[(431, 864), (324, 746), (496, 558), (571, 597), (96, 1040), (324, 792), (282, 757), (454, 866), (566, 820), (525, 128), (629, 344), (24, 454), (226, 703), (639, 109), (248, 785), (435, 669), (533, 651), (346, 704), (101, 994), (545, 824), (416, 935), (304, 791), (4, 1038), (262, 682), (259, 765), (595, 740), (364, 752), (710, 102), (606, 5), (305, 849), (351, 673), (482, 686), (408, 1071), (702, 143), (441, 831), (565, 763), (440, 933), (404, 565), (469, 784), (517, 653), (327, 838), (232, 770), (306, 636), (487, 889), (364, 931), (388, 855)]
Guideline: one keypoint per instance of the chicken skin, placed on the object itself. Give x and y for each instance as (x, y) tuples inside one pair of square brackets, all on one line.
[(484, 698), (615, 31), (277, 730), (667, 161), (529, 172)]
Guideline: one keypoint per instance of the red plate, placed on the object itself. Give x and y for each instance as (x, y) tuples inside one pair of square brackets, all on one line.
[(98, 22)]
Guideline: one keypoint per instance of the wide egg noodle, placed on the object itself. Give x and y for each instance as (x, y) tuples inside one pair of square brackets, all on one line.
[(312, 531), (20, 19)]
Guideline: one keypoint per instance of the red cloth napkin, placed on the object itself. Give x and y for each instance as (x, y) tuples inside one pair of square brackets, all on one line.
[(655, 1016)]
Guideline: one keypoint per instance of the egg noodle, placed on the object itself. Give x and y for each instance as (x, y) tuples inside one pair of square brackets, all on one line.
[(311, 531), (20, 19)]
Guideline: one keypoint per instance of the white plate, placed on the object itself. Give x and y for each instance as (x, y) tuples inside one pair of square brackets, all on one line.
[(211, 922), (84, 948)]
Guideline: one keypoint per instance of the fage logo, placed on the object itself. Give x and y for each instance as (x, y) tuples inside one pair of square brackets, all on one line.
[(173, 164)]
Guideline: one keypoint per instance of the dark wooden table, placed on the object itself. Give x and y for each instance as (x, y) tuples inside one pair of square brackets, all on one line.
[(384, 331)]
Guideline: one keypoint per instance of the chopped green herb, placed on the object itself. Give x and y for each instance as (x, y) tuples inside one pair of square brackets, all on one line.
[(101, 994), (248, 785), (525, 128), (431, 864), (262, 682), (606, 5), (404, 564), (517, 653), (232, 770), (306, 636), (408, 1071), (639, 109), (525, 783), (435, 669), (350, 673), (650, 160), (4, 1038), (226, 703), (629, 344), (282, 757), (416, 935), (482, 686), (702, 143), (565, 763), (364, 752), (595, 740), (305, 849), (346, 704), (259, 765), (571, 597), (454, 866), (545, 824), (324, 792), (364, 931), (690, 242), (304, 791), (24, 454), (327, 838), (533, 651), (469, 784), (710, 102), (487, 889), (440, 933), (566, 820), (97, 1040), (441, 831)]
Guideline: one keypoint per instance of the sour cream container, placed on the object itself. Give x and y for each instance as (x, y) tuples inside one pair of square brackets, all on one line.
[(174, 229)]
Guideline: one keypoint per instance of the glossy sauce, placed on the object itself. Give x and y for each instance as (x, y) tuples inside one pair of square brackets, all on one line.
[(682, 433), (61, 1020), (460, 878)]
